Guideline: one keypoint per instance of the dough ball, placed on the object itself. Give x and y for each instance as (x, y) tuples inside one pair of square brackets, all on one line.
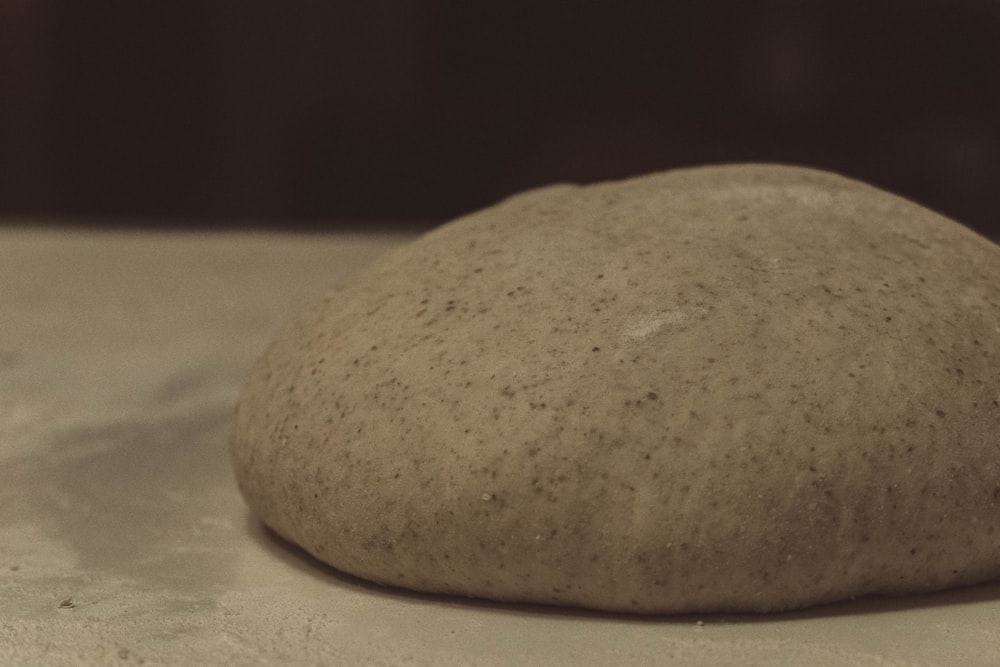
[(733, 388)]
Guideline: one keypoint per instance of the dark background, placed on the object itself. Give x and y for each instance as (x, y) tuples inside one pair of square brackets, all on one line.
[(315, 114)]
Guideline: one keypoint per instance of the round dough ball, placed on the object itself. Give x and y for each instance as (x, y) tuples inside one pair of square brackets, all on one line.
[(731, 388)]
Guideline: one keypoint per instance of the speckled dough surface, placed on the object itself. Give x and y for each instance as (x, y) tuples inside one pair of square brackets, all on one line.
[(728, 388)]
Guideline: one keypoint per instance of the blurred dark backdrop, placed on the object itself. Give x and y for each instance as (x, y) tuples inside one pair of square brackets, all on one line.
[(309, 114)]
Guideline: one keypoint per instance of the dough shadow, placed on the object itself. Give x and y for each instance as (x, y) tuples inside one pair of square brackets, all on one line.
[(876, 604), (296, 557)]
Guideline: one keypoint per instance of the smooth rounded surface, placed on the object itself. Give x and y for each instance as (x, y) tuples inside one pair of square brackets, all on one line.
[(746, 387)]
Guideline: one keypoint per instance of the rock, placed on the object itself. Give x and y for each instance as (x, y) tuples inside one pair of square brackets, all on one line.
[(734, 388)]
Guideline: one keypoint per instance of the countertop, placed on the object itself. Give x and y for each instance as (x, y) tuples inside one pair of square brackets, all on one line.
[(123, 539)]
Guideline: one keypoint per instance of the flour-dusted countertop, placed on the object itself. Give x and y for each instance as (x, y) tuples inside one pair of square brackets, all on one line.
[(123, 539)]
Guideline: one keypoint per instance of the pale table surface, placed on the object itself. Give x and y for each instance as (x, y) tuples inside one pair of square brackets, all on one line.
[(123, 539)]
